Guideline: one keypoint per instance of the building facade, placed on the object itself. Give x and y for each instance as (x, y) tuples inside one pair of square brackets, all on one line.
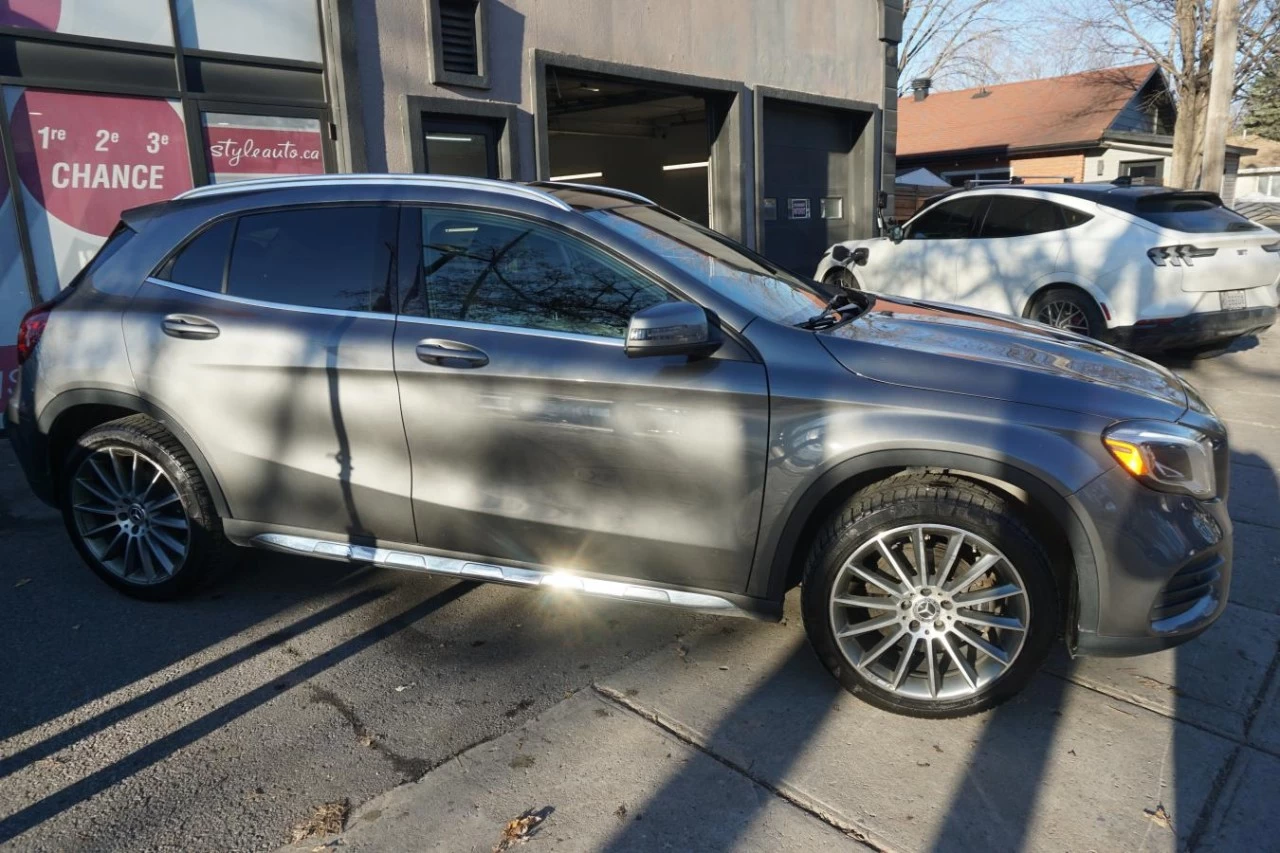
[(771, 122)]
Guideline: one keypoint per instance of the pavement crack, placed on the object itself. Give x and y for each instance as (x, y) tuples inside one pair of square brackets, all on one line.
[(625, 702), (408, 767)]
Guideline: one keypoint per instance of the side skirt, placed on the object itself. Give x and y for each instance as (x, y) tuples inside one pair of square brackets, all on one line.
[(432, 564)]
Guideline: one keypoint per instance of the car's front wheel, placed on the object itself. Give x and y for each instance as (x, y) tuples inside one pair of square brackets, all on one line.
[(927, 595), (139, 512)]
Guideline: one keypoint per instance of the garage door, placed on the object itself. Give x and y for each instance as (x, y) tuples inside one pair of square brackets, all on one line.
[(805, 204)]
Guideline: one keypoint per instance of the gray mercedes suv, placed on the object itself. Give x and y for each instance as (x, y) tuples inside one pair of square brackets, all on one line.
[(569, 387)]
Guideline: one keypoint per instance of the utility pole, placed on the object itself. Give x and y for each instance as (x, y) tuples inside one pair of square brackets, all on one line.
[(1226, 33)]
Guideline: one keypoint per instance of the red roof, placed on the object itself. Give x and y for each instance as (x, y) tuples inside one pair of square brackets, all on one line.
[(1054, 111)]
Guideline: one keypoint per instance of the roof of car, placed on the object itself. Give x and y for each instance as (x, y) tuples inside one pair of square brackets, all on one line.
[(1119, 196)]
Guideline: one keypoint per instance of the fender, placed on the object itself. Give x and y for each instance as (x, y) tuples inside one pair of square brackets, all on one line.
[(777, 549), (68, 400), (1063, 277)]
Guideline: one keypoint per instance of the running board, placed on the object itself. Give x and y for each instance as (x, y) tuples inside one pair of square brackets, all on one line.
[(431, 564)]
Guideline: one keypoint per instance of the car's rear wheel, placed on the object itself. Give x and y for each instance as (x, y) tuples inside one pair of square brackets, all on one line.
[(926, 595), (842, 277), (1069, 309), (139, 512)]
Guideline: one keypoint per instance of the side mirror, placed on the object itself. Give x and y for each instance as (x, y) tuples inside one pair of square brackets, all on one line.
[(839, 253), (897, 234), (860, 255), (672, 328)]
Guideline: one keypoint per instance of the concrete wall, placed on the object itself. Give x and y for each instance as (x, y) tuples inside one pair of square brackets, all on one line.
[(829, 48), (1111, 158)]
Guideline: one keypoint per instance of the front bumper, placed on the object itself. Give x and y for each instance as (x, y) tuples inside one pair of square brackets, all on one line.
[(1191, 330), (1164, 570)]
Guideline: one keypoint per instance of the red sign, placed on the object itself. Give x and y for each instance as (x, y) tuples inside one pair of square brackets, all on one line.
[(8, 375), (245, 151), (35, 14), (87, 157)]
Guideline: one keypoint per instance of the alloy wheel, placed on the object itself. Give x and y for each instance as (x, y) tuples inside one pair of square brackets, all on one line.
[(130, 516), (929, 612), (1064, 314)]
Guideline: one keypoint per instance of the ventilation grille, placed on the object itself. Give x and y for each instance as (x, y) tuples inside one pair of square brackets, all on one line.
[(458, 49), (1185, 589)]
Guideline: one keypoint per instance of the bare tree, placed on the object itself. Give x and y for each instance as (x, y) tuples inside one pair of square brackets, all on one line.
[(1178, 36), (949, 41)]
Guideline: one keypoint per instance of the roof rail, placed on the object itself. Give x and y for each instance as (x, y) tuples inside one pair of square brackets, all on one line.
[(441, 181), (596, 189)]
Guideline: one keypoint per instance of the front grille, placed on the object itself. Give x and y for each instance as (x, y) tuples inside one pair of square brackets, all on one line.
[(458, 49), (1186, 588)]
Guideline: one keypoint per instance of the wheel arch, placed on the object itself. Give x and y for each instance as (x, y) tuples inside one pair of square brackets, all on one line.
[(73, 413), (1049, 514)]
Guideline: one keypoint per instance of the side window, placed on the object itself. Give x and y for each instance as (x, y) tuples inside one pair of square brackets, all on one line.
[(1011, 216), (508, 272), (949, 220), (203, 261), (321, 257), (1075, 217)]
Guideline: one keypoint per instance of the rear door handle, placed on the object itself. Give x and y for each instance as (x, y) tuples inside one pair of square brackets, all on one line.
[(190, 327), (450, 353)]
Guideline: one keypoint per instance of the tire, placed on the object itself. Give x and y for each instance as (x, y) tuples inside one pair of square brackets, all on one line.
[(129, 491), (843, 278), (1069, 309), (870, 663)]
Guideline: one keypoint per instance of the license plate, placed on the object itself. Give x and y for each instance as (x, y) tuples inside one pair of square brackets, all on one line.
[(1232, 300)]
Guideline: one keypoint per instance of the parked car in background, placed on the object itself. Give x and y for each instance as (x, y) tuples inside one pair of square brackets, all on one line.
[(571, 388), (1147, 268)]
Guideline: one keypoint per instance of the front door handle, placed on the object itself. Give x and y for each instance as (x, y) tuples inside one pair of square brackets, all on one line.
[(190, 327), (450, 353)]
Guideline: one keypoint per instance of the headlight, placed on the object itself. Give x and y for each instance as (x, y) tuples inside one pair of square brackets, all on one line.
[(1165, 456)]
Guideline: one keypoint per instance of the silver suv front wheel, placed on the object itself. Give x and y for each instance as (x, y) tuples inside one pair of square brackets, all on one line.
[(927, 595)]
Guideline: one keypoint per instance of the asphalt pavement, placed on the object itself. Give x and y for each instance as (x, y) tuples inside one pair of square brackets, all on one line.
[(224, 721)]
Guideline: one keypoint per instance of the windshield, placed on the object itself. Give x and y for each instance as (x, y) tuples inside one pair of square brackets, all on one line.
[(729, 269)]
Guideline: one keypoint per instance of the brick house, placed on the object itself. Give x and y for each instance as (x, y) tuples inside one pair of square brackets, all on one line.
[(1092, 126)]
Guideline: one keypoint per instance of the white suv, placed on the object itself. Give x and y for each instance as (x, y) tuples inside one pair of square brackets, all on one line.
[(1147, 268)]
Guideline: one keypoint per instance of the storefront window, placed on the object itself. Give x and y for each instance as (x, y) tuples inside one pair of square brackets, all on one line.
[(144, 21), (283, 29), (83, 158), (240, 147)]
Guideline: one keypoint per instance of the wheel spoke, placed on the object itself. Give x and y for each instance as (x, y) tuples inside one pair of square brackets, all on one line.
[(931, 667), (976, 571), (168, 541), (142, 498), (903, 669), (106, 481), (133, 475), (892, 561), (869, 657), (870, 625), (963, 665), (990, 620), (130, 554), (117, 467), (876, 579), (954, 544), (169, 521), (96, 510), (922, 565), (159, 505), (985, 596), (102, 528), (148, 563), (992, 651), (96, 492), (156, 551), (870, 602)]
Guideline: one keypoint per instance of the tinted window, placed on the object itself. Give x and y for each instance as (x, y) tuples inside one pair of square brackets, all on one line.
[(1075, 217), (202, 262), (119, 237), (1197, 214), (1010, 216), (509, 272), (949, 220), (323, 257), (723, 265)]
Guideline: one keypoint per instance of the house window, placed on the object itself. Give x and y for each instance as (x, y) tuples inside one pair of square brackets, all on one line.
[(458, 41), (1143, 171)]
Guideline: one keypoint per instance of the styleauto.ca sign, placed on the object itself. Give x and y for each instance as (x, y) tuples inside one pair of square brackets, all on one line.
[(251, 146)]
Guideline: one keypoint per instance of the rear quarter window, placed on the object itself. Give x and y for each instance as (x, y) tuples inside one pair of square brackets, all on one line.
[(1195, 214)]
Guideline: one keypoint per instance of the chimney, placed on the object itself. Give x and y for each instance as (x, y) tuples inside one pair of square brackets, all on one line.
[(920, 87)]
